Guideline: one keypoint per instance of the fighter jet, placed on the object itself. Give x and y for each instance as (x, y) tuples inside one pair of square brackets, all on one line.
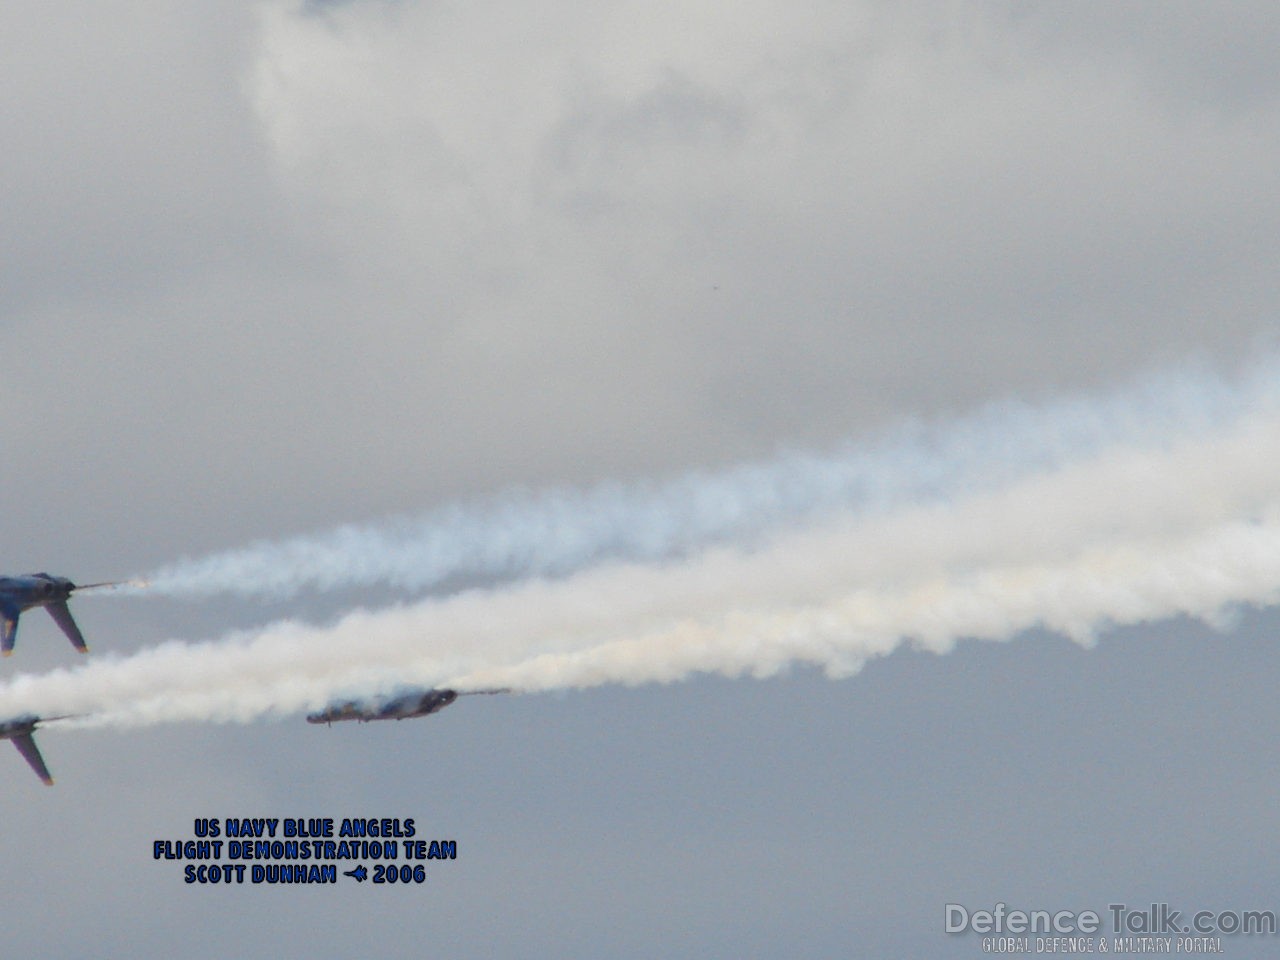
[(19, 730), (39, 590), (417, 703)]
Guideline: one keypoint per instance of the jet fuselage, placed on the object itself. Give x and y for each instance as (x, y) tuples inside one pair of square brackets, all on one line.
[(416, 704), (17, 726), (35, 590)]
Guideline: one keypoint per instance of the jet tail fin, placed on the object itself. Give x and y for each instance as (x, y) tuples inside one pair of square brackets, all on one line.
[(26, 745), (61, 614)]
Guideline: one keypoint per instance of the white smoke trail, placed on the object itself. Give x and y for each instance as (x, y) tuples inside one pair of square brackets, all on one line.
[(1190, 526), (553, 533)]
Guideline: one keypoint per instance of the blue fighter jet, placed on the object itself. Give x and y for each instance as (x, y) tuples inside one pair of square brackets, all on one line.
[(417, 703), (19, 730), (39, 590)]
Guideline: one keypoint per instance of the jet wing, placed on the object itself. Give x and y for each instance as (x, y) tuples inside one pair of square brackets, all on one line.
[(26, 745), (8, 631), (61, 614)]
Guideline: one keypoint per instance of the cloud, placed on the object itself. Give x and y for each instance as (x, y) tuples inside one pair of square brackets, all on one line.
[(773, 213), (390, 255)]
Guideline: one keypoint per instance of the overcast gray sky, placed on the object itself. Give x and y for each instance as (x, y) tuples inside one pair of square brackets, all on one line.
[(277, 267)]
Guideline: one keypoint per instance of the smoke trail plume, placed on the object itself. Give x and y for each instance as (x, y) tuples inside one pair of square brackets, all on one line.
[(1173, 522), (553, 533)]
